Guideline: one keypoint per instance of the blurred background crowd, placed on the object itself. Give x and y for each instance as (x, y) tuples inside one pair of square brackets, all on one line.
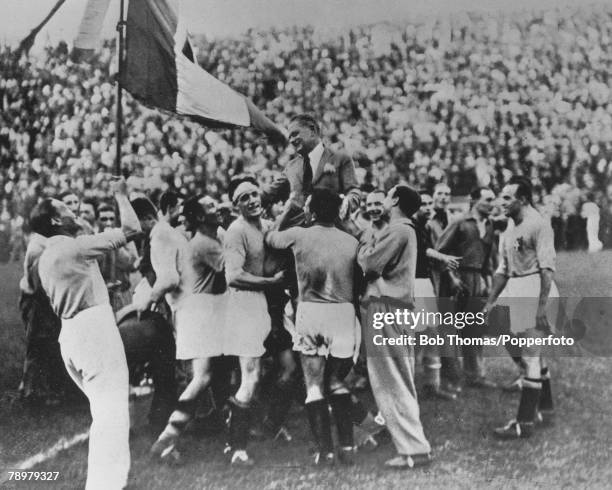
[(471, 99)]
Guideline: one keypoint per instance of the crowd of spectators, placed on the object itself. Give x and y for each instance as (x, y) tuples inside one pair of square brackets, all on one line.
[(470, 100)]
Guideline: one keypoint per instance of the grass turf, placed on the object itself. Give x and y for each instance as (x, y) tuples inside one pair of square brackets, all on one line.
[(576, 452)]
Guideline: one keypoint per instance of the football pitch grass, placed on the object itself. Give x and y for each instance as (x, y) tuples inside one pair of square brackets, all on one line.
[(576, 452)]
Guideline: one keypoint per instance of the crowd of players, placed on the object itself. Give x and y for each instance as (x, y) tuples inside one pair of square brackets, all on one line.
[(476, 100), (297, 289), (256, 282)]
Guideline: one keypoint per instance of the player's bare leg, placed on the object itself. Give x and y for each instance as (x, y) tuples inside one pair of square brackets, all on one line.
[(165, 446)]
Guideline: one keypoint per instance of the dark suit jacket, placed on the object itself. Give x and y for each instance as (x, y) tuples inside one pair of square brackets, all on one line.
[(341, 179), (439, 275)]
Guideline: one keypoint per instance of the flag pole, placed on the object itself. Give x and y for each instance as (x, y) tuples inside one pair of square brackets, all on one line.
[(112, 284), (119, 114), (26, 44)]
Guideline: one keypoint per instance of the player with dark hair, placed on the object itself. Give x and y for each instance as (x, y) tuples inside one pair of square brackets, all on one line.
[(441, 216), (71, 199), (198, 316), (526, 271), (389, 264), (425, 295), (44, 376), (117, 265), (147, 215), (90, 343), (524, 189), (166, 246), (248, 321), (148, 337), (170, 206), (87, 211), (471, 238), (106, 217), (326, 338), (166, 253), (145, 210), (450, 372)]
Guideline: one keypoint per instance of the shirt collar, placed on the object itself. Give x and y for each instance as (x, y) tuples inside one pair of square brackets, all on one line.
[(315, 155)]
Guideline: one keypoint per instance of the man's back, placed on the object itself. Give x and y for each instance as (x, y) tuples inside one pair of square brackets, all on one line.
[(325, 259), (35, 248), (167, 247)]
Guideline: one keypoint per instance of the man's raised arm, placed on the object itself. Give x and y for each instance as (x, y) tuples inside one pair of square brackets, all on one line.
[(130, 224), (277, 191)]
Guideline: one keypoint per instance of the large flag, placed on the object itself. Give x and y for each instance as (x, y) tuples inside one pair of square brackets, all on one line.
[(160, 71)]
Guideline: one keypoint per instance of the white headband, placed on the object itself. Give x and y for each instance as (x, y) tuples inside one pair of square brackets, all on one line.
[(243, 188)]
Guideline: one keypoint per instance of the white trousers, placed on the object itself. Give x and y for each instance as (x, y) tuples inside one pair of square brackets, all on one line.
[(95, 359)]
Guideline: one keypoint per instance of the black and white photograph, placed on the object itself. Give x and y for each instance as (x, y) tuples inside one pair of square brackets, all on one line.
[(305, 244)]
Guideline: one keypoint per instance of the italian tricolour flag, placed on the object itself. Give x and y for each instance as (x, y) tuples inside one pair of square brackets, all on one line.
[(160, 69)]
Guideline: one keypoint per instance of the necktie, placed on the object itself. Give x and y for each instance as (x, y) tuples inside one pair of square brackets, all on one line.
[(307, 180)]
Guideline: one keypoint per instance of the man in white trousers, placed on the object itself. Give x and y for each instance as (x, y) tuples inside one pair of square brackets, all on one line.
[(389, 263), (90, 343)]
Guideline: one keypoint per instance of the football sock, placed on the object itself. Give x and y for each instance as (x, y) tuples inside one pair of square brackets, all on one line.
[(546, 401), (341, 408), (182, 415), (282, 397), (238, 424), (320, 425), (530, 396), (357, 412)]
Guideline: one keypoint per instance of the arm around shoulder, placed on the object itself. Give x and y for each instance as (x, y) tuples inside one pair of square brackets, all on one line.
[(373, 256)]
